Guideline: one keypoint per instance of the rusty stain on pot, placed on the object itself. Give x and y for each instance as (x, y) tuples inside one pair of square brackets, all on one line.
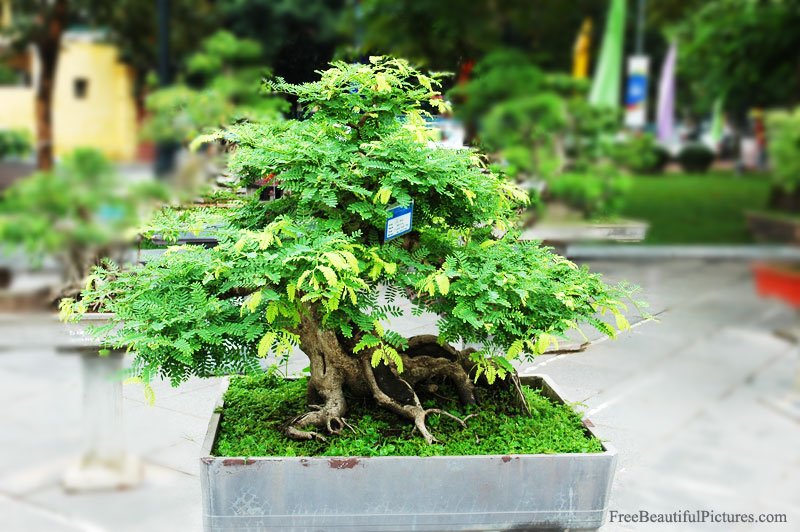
[(587, 423), (343, 463), (506, 459), (236, 461), (304, 462)]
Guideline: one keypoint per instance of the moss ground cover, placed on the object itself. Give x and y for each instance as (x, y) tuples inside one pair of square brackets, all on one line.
[(256, 407)]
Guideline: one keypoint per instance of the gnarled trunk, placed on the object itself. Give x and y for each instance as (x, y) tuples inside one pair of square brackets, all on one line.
[(334, 368)]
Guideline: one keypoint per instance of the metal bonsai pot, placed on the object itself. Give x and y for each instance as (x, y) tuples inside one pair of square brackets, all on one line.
[(440, 493)]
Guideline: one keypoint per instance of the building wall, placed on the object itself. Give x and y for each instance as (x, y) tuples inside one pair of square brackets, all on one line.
[(16, 108), (104, 117)]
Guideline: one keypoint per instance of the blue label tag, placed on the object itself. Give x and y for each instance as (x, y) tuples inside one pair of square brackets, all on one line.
[(399, 223)]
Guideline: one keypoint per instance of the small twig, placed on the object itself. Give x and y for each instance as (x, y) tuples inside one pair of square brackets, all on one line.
[(448, 414), (346, 424), (518, 388)]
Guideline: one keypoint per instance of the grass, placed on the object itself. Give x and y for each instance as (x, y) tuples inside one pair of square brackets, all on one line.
[(696, 208), (256, 407)]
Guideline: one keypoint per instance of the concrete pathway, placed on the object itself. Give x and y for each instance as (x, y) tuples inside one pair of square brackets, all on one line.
[(685, 400)]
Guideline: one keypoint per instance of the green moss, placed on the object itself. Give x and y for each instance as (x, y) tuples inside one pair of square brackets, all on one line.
[(256, 407)]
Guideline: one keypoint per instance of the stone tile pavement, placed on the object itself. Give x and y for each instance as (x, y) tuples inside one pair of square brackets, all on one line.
[(685, 401)]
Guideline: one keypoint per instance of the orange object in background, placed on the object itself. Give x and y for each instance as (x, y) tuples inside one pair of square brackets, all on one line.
[(778, 281)]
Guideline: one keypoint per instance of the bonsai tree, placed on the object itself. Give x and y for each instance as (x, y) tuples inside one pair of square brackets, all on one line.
[(317, 268), (79, 213)]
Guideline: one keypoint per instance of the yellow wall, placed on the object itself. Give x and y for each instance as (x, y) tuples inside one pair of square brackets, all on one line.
[(16, 108), (105, 119)]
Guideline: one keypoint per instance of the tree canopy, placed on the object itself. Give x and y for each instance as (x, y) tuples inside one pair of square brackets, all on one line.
[(743, 51), (315, 268)]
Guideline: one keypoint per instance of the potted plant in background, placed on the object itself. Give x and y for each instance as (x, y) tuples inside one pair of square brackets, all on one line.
[(695, 158), (781, 220), (219, 85), (80, 215), (14, 143), (640, 154), (373, 207), (539, 128), (77, 215)]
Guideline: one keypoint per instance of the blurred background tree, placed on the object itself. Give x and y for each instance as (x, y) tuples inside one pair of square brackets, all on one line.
[(447, 34), (297, 38), (744, 50), (221, 83)]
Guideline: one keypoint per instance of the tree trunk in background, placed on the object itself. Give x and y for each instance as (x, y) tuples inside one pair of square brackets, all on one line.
[(48, 47)]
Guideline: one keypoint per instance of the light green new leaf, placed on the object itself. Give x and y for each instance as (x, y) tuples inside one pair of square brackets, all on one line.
[(265, 344), (443, 283)]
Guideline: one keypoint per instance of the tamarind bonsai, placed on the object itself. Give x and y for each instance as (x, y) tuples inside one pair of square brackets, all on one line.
[(315, 269)]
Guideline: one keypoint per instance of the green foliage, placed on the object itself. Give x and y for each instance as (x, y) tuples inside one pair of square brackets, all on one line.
[(79, 209), (363, 146), (695, 158), (601, 194), (748, 66), (14, 143), (783, 129), (8, 76), (224, 75), (534, 123), (640, 154), (256, 407), (447, 33)]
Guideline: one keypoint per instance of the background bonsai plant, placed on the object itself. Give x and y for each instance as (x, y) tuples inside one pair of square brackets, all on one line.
[(315, 269), (536, 126), (79, 213), (783, 128), (14, 143), (220, 86)]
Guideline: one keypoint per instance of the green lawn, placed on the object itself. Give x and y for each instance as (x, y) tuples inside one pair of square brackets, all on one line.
[(696, 209)]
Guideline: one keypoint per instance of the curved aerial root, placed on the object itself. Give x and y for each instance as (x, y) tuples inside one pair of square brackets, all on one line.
[(415, 412)]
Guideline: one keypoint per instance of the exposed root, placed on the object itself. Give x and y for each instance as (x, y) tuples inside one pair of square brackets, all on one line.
[(463, 422), (297, 434), (414, 412), (423, 367), (333, 368), (320, 417), (349, 426), (515, 382)]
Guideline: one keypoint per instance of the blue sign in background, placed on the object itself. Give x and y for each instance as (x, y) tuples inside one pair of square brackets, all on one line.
[(637, 89)]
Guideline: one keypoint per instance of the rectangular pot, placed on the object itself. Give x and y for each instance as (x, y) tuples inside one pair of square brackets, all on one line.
[(383, 494), (767, 227)]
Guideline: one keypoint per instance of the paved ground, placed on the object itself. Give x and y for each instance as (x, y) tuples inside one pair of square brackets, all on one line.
[(686, 402)]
